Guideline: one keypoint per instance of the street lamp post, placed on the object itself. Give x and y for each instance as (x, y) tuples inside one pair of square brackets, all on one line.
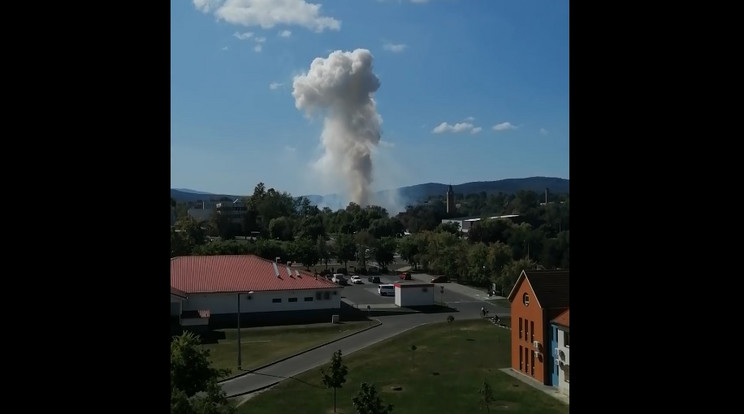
[(240, 362)]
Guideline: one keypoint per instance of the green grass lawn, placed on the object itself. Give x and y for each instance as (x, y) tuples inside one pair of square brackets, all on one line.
[(261, 346), (443, 375)]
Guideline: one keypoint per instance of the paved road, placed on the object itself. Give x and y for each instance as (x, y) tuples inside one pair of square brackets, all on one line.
[(465, 301)]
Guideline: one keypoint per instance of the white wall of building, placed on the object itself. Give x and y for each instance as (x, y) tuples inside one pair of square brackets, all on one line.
[(277, 301), (414, 295), (563, 356)]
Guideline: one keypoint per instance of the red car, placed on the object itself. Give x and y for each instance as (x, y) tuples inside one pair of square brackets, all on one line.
[(405, 275)]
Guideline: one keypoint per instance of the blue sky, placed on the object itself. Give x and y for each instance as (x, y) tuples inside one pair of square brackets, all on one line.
[(403, 92)]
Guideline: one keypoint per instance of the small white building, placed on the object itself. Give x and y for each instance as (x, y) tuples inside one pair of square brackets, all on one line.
[(414, 294), (561, 352), (265, 292)]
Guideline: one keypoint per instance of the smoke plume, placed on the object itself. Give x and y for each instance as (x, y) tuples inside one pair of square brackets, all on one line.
[(340, 87)]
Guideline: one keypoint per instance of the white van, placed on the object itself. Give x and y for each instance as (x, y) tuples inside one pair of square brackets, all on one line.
[(386, 289)]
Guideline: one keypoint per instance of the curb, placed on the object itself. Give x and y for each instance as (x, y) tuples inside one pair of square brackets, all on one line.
[(292, 356)]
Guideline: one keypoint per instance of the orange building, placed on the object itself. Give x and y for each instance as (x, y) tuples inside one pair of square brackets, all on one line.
[(538, 297)]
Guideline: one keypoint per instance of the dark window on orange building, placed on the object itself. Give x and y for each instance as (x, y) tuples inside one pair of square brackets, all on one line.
[(526, 360), (526, 330), (520, 332), (532, 331), (521, 361), (532, 364)]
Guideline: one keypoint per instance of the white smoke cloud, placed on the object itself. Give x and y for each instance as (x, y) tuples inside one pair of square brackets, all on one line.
[(503, 126), (269, 13), (341, 88)]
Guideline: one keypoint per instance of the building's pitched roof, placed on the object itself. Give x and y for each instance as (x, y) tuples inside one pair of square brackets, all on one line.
[(561, 319), (177, 292), (549, 286), (239, 273)]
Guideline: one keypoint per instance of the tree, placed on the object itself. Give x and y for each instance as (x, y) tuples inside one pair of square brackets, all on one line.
[(368, 402), (486, 393), (345, 248), (450, 319), (194, 387), (335, 377)]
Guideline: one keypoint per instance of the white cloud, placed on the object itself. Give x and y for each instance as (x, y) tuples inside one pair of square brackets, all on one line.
[(290, 148), (503, 126), (275, 85), (206, 5), (470, 119), (285, 33), (458, 127), (476, 130), (258, 47), (259, 39), (384, 143), (269, 13), (224, 47), (243, 36), (543, 131), (393, 47)]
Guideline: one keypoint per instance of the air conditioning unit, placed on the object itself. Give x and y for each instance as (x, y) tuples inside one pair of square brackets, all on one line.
[(556, 361), (536, 344), (557, 353)]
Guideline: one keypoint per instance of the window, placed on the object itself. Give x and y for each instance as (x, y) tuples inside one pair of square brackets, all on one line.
[(532, 364), (526, 360), (521, 361), (565, 339), (292, 300), (423, 289), (520, 334), (326, 295), (526, 299), (532, 331), (526, 330), (277, 300), (308, 298), (318, 295), (335, 293)]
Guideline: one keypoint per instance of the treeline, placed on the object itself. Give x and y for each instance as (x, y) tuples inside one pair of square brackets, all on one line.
[(275, 224)]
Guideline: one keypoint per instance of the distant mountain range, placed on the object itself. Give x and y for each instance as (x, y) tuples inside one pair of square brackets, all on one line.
[(414, 194)]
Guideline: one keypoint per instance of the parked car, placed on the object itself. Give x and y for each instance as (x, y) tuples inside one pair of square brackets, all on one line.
[(339, 278), (405, 275), (439, 279), (386, 290), (374, 279), (356, 280)]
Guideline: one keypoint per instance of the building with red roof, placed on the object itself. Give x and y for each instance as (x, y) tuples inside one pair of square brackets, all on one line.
[(265, 292)]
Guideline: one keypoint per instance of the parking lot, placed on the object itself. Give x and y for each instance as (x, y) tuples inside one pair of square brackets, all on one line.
[(366, 293)]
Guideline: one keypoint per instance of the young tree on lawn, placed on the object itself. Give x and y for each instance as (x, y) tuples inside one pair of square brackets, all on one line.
[(450, 318), (335, 377), (368, 402), (194, 387), (486, 393)]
